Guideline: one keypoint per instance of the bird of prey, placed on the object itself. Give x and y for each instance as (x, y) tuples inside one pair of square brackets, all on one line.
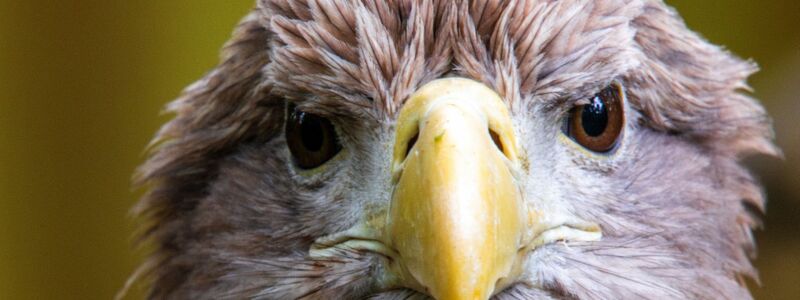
[(459, 149)]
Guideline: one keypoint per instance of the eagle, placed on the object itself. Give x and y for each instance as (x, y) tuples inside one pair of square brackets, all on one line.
[(458, 149)]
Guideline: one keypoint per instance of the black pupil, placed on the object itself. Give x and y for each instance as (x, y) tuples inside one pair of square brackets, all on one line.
[(311, 131), (594, 117)]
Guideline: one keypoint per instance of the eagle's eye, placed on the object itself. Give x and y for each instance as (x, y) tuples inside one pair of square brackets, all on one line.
[(312, 139), (598, 124)]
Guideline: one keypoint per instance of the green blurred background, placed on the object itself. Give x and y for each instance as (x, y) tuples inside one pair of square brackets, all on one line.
[(82, 84)]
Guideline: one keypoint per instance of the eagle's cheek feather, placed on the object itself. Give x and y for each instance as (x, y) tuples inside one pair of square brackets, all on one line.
[(457, 226)]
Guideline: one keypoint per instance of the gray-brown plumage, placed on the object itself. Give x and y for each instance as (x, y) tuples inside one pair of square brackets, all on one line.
[(232, 217)]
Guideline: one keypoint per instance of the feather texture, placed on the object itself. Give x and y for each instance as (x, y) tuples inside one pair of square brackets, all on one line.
[(231, 218)]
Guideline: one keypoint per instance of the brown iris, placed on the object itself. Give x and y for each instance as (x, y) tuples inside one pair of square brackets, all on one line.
[(312, 139), (598, 124)]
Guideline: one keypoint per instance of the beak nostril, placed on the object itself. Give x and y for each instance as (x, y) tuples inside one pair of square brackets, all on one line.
[(411, 142), (497, 141)]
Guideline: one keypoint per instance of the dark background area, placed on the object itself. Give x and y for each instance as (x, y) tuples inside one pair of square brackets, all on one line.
[(82, 84)]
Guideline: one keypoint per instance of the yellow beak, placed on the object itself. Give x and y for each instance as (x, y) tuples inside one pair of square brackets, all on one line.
[(456, 218)]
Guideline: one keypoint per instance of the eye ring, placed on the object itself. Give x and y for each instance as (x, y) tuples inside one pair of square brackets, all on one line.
[(598, 124), (312, 139)]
